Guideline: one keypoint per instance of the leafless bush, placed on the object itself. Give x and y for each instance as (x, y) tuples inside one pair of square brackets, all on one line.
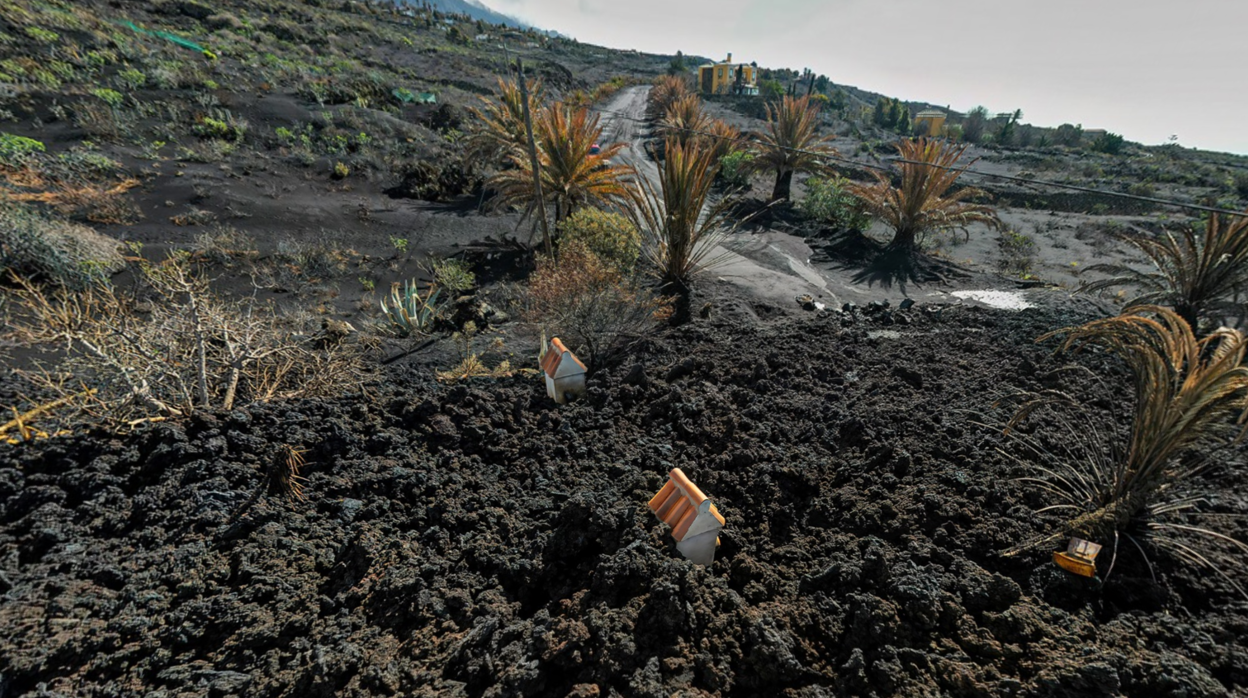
[(173, 347), (597, 310)]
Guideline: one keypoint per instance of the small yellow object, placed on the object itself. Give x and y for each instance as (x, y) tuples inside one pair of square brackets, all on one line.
[(1079, 558), (210, 55)]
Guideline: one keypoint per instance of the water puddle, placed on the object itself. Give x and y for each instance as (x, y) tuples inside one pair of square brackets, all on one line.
[(1003, 300)]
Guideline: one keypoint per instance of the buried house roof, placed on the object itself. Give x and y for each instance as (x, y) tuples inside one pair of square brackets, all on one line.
[(553, 361), (679, 503)]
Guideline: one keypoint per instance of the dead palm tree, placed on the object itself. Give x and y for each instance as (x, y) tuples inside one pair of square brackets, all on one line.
[(679, 230), (920, 205), (1197, 275), (791, 143), (499, 130), (572, 176), (667, 90), (722, 138), (684, 120), (1185, 389)]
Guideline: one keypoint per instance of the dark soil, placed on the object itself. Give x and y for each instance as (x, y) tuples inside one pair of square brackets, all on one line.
[(476, 539)]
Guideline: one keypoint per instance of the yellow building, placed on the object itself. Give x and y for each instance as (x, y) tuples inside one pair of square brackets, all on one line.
[(929, 122), (728, 78)]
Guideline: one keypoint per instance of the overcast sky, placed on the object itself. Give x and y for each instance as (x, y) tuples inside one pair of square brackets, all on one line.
[(1145, 69)]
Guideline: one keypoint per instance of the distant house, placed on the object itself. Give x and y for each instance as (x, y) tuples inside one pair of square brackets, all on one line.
[(727, 77), (929, 122), (1091, 134)]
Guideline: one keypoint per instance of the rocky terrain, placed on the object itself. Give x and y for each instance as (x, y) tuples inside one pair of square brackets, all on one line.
[(476, 539), (417, 536)]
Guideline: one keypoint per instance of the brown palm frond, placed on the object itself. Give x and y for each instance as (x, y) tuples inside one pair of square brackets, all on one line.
[(920, 205), (571, 176), (791, 143), (679, 230), (499, 130), (667, 90), (1199, 275), (723, 139), (1185, 389), (684, 120), (288, 477)]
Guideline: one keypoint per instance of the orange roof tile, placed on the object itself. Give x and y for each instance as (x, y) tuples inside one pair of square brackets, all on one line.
[(679, 502), (553, 357)]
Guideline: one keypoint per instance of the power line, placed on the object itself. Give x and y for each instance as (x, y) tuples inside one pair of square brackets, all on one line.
[(965, 170)]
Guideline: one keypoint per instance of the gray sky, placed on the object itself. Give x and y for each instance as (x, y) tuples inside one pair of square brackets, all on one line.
[(1140, 68)]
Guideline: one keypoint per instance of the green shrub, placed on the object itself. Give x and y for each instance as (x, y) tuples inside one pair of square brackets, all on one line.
[(829, 201), (112, 97), (1240, 184), (134, 79), (1108, 143), (15, 151), (1018, 253), (38, 247), (453, 275), (735, 168), (42, 35), (610, 236), (222, 126)]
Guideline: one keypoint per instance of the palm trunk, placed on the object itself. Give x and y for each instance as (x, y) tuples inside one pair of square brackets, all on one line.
[(682, 311), (1189, 314), (904, 241), (1097, 525), (784, 184)]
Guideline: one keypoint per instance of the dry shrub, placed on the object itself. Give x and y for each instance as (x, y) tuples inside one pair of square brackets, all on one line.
[(592, 306), (171, 346), (101, 121), (41, 247), (79, 184)]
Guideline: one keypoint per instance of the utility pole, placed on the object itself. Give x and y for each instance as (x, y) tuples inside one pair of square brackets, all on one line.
[(533, 161)]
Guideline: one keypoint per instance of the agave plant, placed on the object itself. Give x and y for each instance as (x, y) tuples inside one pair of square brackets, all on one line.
[(679, 230), (920, 205), (409, 312), (791, 143), (500, 130), (1197, 275), (1185, 391), (572, 176)]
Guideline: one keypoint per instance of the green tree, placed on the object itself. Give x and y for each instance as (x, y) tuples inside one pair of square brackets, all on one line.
[(973, 125), (1108, 143), (1006, 134), (1068, 135), (771, 90), (677, 66)]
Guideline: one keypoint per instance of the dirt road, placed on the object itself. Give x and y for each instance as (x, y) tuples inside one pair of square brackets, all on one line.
[(774, 266)]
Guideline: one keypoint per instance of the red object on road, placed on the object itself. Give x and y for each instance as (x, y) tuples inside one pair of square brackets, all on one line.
[(594, 149)]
